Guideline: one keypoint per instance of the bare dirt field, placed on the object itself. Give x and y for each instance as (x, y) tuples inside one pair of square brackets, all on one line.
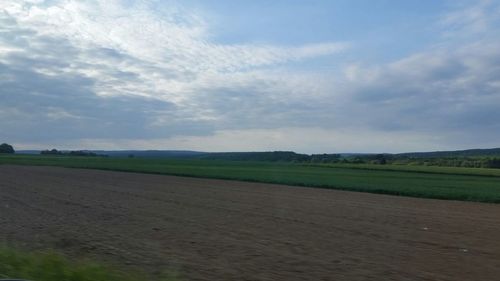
[(225, 230)]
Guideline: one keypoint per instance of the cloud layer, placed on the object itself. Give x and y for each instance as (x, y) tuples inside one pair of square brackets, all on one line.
[(142, 74)]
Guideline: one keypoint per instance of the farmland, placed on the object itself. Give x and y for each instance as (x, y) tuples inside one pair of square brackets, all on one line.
[(188, 217), (467, 184), (209, 229)]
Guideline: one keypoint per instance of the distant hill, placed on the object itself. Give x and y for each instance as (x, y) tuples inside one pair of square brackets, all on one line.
[(490, 152), (151, 153), (135, 153), (28, 151), (289, 155), (257, 156)]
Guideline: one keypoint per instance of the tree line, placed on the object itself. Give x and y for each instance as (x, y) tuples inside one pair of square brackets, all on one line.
[(70, 153), (395, 159), (6, 148)]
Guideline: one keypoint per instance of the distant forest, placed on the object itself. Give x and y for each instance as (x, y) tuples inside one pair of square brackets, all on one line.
[(478, 158)]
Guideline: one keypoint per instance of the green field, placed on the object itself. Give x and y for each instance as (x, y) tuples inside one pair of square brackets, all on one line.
[(467, 184)]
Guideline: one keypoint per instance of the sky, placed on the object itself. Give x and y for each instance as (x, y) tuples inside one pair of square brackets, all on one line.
[(231, 75)]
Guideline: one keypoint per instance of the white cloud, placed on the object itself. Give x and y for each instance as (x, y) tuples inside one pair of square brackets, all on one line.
[(471, 19), (169, 50)]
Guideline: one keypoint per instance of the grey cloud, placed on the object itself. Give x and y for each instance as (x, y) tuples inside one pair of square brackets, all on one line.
[(42, 107), (438, 92), (37, 100), (452, 95)]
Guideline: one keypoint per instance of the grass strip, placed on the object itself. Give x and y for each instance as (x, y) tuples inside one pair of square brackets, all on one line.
[(51, 266)]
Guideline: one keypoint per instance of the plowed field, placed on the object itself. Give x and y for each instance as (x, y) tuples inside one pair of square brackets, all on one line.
[(226, 230)]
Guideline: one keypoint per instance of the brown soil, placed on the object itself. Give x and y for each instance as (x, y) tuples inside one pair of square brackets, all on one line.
[(226, 230)]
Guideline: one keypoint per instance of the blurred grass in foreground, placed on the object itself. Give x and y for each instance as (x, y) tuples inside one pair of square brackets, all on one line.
[(50, 266)]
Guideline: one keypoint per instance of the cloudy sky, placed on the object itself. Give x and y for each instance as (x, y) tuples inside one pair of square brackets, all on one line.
[(239, 75)]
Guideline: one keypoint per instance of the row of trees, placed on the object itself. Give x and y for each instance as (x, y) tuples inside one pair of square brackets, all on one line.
[(6, 148), (378, 159), (69, 153), (483, 162), (273, 156), (9, 149), (468, 162)]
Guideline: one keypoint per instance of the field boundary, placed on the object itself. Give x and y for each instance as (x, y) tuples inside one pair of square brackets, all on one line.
[(420, 184)]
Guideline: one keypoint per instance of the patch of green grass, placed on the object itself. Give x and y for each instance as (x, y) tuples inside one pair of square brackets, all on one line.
[(416, 169), (50, 266), (465, 184)]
